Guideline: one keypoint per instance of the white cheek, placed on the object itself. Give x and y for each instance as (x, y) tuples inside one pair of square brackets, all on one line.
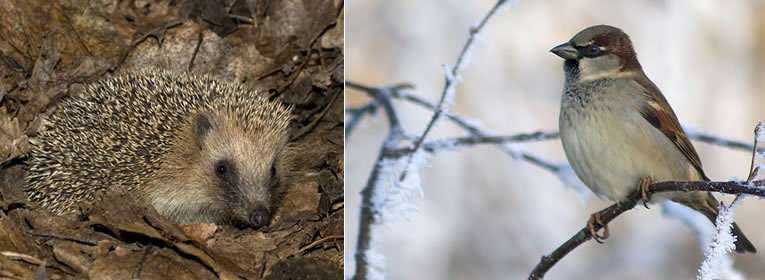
[(598, 68)]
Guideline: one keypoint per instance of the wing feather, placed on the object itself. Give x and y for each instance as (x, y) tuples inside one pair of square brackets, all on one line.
[(659, 114)]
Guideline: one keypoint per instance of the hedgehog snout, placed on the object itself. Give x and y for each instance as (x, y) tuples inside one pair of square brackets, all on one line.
[(260, 217)]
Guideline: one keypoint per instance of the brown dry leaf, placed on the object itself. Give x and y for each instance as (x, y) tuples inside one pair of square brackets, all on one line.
[(334, 37), (70, 254), (120, 213), (11, 237), (84, 24), (13, 141), (304, 196), (199, 232), (11, 269), (298, 22), (213, 14)]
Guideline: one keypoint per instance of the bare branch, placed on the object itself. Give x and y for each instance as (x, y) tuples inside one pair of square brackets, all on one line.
[(608, 214), (721, 141), (753, 169)]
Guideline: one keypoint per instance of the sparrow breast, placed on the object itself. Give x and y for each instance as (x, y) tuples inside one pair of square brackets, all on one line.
[(614, 146)]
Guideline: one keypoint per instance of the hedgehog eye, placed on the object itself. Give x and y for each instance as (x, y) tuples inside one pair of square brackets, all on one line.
[(273, 171), (593, 50), (221, 168)]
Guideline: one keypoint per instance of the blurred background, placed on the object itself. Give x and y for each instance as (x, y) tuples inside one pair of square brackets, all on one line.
[(487, 216)]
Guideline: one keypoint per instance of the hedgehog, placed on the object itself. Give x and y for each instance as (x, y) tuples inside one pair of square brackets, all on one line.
[(196, 149)]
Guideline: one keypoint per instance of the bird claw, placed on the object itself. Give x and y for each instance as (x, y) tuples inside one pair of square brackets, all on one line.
[(595, 218), (643, 187)]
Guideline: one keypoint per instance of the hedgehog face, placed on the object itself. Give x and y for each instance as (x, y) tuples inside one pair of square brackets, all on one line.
[(244, 169), (234, 177)]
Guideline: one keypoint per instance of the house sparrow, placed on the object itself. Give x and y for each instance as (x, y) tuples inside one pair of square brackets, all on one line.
[(618, 131)]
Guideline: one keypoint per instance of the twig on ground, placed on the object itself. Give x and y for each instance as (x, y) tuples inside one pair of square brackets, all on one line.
[(311, 126)]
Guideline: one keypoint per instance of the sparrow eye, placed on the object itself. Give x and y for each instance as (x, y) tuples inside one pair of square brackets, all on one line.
[(593, 50)]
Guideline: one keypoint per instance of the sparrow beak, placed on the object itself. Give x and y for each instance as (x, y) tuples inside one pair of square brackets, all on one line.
[(566, 51)]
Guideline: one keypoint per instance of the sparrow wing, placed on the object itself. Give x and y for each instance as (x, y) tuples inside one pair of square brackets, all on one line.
[(659, 114)]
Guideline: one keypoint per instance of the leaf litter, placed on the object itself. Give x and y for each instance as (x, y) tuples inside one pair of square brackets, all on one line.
[(290, 49)]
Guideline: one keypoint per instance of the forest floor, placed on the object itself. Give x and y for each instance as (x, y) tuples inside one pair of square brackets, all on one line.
[(290, 49)]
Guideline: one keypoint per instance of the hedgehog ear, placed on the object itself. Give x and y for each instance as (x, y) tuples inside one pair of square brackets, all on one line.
[(202, 127)]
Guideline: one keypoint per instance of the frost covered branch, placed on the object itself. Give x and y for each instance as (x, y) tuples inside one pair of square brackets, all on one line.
[(451, 79), (367, 219), (607, 215), (717, 264)]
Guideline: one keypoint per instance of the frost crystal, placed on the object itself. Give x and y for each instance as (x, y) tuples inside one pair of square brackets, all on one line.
[(717, 264), (376, 262), (391, 201)]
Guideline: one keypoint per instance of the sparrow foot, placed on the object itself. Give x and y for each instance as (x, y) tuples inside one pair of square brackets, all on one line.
[(643, 187), (595, 218)]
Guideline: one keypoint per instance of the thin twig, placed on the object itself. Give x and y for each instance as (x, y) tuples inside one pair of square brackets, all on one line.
[(450, 81), (196, 51), (720, 141), (77, 239), (311, 126), (356, 115), (451, 143), (158, 34), (371, 106), (319, 242), (753, 170), (139, 267)]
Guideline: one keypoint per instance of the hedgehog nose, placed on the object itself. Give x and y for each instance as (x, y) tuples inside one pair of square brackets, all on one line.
[(260, 217)]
